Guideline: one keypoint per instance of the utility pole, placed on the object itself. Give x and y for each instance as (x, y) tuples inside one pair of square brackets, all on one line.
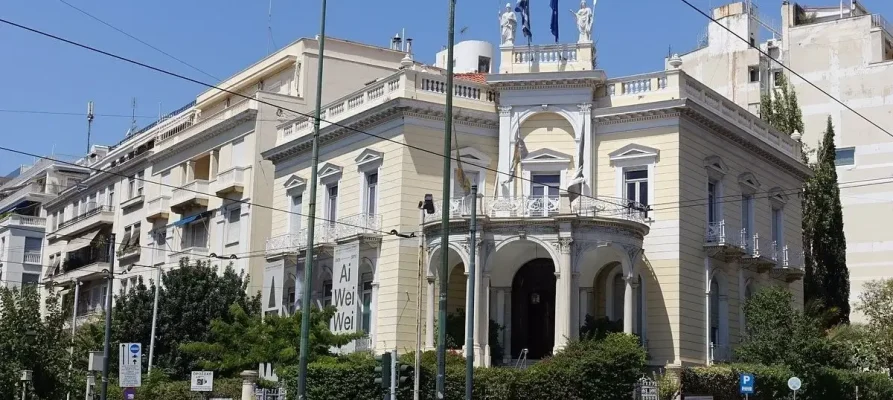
[(74, 318), (445, 212), (425, 206), (311, 217), (108, 318), (469, 314), (155, 305)]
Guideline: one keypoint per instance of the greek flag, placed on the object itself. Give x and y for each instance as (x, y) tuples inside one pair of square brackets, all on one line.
[(555, 19), (523, 7)]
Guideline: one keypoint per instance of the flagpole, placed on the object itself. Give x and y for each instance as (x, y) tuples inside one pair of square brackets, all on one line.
[(445, 209), (311, 217)]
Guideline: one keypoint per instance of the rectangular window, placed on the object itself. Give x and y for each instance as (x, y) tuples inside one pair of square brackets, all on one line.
[(747, 216), (754, 73), (160, 247), (233, 226), (635, 188), (131, 187), (197, 235), (32, 244), (845, 156), (111, 196), (332, 205), (778, 227), (30, 279), (294, 224), (712, 211), (777, 77), (484, 64), (372, 194), (544, 194), (327, 293), (366, 323), (140, 182)]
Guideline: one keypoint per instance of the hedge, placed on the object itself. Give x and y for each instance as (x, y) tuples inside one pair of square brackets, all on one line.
[(605, 369), (721, 381), (177, 390)]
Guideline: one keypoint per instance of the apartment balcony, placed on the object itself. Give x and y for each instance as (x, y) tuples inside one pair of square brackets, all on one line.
[(33, 191), (94, 217), (192, 194), (358, 225), (33, 257), (158, 208), (230, 181), (719, 244), (529, 207), (790, 265), (291, 244), (22, 221), (759, 254), (133, 202), (192, 253), (84, 269)]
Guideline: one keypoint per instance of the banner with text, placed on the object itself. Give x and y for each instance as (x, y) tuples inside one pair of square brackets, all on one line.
[(345, 278)]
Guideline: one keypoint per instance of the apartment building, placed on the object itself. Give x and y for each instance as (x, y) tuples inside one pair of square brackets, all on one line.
[(652, 241), (848, 52), (23, 216), (193, 185)]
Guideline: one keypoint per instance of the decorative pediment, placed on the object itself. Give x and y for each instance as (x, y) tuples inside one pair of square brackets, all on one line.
[(715, 167), (369, 159), (634, 151), (777, 196), (546, 156), (748, 181), (473, 156), (295, 185), (330, 172)]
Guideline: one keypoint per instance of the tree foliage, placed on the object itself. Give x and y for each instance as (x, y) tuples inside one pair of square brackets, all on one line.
[(244, 340), (827, 281), (29, 342), (777, 334), (876, 302), (782, 110)]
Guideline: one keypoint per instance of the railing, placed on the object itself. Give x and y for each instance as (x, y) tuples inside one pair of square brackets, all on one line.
[(363, 344), (231, 177), (296, 242), (32, 257), (459, 207), (358, 224), (523, 206), (637, 84), (437, 84), (878, 21), (192, 123), (26, 220), (793, 259), (189, 252), (33, 187), (92, 210), (719, 352), (270, 394), (547, 54), (189, 191), (716, 232), (611, 208)]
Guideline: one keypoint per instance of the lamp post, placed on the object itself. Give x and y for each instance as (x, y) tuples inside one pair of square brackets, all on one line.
[(154, 306), (425, 207)]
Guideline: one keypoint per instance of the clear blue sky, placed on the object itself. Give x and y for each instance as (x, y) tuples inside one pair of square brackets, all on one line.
[(223, 36)]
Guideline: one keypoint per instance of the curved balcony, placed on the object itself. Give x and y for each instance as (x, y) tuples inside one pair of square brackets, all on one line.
[(294, 243), (790, 265), (524, 207)]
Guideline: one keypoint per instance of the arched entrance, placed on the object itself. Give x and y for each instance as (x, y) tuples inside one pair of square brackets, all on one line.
[(533, 309)]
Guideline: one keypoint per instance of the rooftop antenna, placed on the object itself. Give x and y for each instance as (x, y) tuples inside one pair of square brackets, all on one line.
[(132, 129), (89, 126)]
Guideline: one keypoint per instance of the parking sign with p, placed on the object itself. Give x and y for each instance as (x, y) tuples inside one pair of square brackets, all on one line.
[(746, 383)]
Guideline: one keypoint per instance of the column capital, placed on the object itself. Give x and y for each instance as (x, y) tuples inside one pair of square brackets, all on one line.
[(505, 111), (564, 245), (585, 108)]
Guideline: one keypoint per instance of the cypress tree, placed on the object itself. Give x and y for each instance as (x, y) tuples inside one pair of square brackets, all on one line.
[(827, 281)]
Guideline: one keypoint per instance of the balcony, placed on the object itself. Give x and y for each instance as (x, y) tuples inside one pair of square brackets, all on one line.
[(15, 221), (294, 243), (33, 191), (720, 245), (230, 181), (192, 253), (95, 216), (158, 208), (759, 254), (191, 122), (521, 207), (790, 265), (134, 201), (33, 257), (192, 194), (357, 225)]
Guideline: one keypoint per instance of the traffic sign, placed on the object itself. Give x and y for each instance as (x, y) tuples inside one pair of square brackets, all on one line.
[(129, 393), (746, 383), (202, 381), (130, 366), (794, 383)]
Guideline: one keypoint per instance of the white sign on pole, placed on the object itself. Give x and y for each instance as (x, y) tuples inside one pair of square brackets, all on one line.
[(202, 381), (794, 383), (130, 365), (345, 275)]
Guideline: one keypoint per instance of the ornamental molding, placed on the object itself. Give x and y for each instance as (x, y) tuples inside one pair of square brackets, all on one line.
[(213, 131)]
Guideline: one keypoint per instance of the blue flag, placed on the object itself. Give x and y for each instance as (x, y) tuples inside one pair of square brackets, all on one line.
[(523, 7), (555, 19)]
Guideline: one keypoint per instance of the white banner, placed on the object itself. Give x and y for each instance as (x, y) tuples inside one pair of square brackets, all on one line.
[(274, 278), (345, 278)]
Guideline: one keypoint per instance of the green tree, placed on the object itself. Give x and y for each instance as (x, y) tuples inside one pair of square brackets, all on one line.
[(244, 340), (876, 302), (827, 281), (777, 334), (781, 109), (31, 342)]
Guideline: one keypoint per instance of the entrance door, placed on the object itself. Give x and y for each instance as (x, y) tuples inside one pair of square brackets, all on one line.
[(533, 309)]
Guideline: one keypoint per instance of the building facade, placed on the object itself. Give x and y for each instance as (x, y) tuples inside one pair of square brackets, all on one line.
[(193, 185), (23, 220), (682, 212), (846, 51)]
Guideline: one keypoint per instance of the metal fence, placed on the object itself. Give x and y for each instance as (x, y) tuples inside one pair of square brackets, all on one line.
[(269, 394)]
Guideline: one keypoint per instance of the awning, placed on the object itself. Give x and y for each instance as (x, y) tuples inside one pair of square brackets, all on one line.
[(192, 218), (125, 241), (81, 242)]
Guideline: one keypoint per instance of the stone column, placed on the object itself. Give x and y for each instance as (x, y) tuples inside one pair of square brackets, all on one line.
[(480, 307), (563, 295), (215, 164), (429, 316), (587, 134), (574, 315), (190, 171), (373, 314), (629, 297), (483, 316), (506, 139), (248, 379)]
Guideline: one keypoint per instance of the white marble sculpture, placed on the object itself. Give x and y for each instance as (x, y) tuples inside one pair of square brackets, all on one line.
[(584, 21), (508, 23)]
